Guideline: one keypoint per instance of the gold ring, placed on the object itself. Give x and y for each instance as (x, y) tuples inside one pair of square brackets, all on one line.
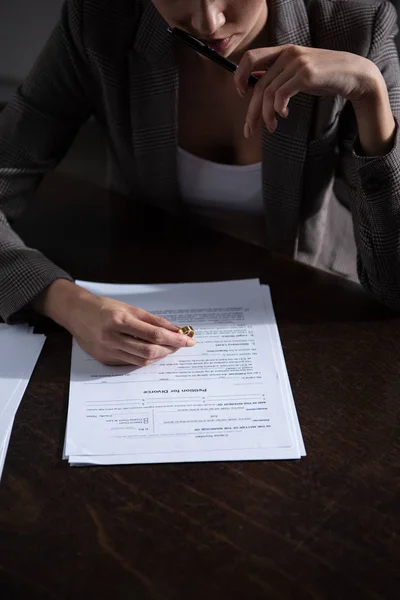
[(187, 330)]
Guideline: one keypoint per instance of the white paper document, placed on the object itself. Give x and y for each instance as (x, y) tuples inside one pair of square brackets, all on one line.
[(227, 398), (19, 352), (3, 450)]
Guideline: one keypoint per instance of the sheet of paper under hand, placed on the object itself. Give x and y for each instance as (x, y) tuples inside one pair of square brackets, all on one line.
[(228, 398)]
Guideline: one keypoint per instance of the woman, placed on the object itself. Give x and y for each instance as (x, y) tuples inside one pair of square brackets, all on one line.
[(329, 72)]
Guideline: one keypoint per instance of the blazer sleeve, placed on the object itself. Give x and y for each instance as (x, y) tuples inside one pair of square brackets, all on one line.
[(36, 130), (375, 197)]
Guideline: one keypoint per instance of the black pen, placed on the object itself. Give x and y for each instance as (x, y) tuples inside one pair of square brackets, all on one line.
[(205, 50)]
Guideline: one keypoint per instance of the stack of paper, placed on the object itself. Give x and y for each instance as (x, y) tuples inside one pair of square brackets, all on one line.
[(227, 398), (19, 352)]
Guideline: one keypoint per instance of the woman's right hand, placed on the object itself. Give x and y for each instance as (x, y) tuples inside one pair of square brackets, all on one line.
[(111, 331)]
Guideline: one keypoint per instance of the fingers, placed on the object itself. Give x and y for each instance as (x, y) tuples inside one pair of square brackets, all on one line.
[(120, 358), (155, 320), (161, 337), (141, 349), (176, 340), (284, 93), (263, 97), (288, 70), (117, 333), (134, 322), (125, 323), (271, 100), (122, 349), (132, 336), (258, 59)]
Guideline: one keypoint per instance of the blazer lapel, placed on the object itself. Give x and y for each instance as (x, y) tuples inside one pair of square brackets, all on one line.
[(153, 94), (284, 152)]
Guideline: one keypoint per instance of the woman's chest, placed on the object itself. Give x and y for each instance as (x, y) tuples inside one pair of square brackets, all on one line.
[(211, 118)]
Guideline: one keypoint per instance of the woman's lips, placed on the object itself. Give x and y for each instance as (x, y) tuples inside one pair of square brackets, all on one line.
[(219, 45)]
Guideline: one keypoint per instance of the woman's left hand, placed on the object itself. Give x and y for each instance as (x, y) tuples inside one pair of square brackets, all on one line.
[(287, 70)]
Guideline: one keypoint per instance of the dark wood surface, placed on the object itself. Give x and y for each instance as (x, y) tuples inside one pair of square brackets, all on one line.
[(326, 526)]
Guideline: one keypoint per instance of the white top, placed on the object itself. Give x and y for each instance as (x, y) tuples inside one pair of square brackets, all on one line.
[(208, 184), (227, 197)]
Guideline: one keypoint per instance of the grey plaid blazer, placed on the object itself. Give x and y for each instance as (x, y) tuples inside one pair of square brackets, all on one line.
[(114, 59)]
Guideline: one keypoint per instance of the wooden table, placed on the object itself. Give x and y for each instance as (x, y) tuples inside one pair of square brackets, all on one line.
[(324, 527)]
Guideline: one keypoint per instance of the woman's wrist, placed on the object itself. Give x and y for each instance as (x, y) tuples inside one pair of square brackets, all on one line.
[(376, 124), (60, 302)]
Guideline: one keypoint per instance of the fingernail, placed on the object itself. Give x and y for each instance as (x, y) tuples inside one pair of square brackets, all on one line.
[(247, 130), (191, 342), (241, 93), (285, 112), (273, 126)]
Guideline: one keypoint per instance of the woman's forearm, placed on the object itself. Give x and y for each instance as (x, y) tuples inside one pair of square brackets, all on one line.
[(376, 124)]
